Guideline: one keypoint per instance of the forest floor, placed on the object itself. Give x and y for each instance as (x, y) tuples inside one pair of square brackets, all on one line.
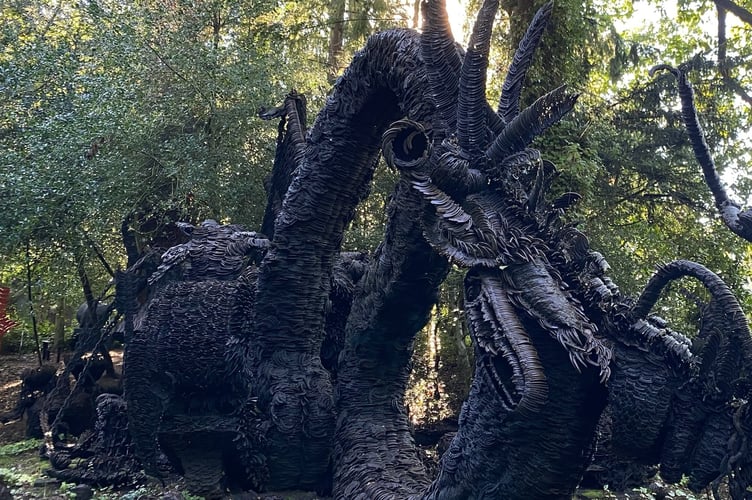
[(11, 366), (22, 470)]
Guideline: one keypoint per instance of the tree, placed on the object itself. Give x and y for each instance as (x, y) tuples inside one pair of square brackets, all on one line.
[(162, 94)]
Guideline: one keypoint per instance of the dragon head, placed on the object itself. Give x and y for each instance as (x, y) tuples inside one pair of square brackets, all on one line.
[(487, 210)]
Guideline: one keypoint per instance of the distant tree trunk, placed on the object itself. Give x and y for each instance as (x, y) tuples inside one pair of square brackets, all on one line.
[(129, 240), (456, 371), (31, 303), (91, 302), (336, 38), (59, 339), (521, 11)]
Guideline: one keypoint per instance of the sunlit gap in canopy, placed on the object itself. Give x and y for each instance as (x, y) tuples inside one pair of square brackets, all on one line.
[(457, 11)]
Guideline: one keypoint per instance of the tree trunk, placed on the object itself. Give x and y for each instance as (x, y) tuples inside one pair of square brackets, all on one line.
[(336, 38), (59, 339)]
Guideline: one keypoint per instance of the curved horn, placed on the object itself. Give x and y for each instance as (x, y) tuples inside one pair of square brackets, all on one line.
[(532, 122), (723, 299), (442, 63), (509, 103), (471, 121), (718, 289)]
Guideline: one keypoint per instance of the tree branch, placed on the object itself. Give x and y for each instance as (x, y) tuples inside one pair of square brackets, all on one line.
[(723, 64), (740, 12), (99, 254)]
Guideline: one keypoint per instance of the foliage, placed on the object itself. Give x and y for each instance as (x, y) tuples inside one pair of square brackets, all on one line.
[(20, 464), (443, 359), (21, 467), (109, 110), (647, 201), (15, 478), (147, 110), (11, 449)]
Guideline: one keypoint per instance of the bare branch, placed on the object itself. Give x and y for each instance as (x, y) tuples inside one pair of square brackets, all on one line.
[(740, 12)]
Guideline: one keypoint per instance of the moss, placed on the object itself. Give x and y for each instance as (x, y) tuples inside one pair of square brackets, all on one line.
[(11, 449)]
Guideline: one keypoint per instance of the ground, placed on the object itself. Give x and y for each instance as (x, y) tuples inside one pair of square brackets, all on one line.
[(23, 471), (12, 365)]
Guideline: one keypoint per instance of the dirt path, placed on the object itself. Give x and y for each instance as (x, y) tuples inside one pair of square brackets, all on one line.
[(11, 366)]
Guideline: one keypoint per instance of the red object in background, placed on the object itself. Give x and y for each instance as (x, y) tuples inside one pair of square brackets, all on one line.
[(5, 322)]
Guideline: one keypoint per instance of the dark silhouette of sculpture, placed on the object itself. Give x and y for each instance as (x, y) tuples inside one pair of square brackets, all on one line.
[(179, 378), (36, 383), (107, 450), (282, 363), (62, 399), (736, 219), (94, 335)]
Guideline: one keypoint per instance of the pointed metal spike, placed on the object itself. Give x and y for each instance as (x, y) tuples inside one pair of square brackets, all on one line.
[(443, 64), (471, 116), (523, 57), (532, 122)]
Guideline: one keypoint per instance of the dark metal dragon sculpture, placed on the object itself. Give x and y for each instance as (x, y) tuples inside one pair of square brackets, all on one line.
[(282, 363)]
